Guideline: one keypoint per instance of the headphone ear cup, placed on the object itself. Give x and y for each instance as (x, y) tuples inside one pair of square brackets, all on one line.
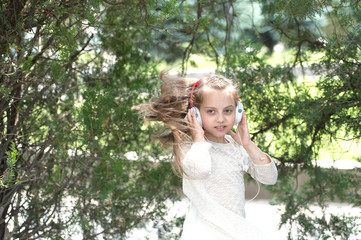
[(239, 112), (198, 115)]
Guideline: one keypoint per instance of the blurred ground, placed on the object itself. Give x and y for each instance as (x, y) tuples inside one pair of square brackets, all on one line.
[(259, 212)]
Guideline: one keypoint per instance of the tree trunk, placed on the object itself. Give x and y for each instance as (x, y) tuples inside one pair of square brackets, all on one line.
[(5, 197)]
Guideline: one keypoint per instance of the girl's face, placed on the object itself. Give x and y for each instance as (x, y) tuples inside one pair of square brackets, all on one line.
[(218, 113)]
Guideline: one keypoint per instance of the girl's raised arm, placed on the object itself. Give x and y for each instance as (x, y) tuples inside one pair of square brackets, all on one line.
[(242, 137)]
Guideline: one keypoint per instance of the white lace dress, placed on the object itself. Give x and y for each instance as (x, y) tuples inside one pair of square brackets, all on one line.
[(214, 185)]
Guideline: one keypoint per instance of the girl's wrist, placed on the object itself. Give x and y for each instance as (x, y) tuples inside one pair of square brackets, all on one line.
[(249, 145), (199, 139), (257, 155)]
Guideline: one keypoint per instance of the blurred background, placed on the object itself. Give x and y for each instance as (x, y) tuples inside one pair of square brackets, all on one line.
[(76, 162)]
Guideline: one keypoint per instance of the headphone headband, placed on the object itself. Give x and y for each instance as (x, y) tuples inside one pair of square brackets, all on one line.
[(194, 86)]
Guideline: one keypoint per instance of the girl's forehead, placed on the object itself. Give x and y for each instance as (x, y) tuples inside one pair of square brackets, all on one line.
[(218, 97)]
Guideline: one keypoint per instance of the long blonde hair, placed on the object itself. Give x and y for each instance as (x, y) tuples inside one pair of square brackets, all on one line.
[(172, 106)]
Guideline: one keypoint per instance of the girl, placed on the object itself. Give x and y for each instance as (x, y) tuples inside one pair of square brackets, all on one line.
[(210, 157)]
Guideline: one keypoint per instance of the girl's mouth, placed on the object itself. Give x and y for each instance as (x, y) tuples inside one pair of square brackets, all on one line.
[(220, 128)]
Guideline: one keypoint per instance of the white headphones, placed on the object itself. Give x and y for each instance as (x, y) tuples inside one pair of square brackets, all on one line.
[(239, 108)]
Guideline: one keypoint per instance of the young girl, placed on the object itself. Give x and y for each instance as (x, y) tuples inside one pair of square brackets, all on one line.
[(210, 157)]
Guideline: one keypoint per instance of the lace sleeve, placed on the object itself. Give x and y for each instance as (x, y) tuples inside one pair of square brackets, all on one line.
[(266, 174), (196, 160)]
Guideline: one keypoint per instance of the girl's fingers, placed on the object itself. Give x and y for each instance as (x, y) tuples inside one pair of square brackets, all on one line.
[(192, 116), (243, 123), (243, 130), (231, 133), (235, 136), (189, 116)]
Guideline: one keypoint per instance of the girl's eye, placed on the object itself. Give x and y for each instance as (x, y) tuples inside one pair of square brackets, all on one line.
[(210, 111), (229, 110)]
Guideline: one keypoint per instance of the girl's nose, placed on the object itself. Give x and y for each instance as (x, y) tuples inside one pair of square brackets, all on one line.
[(220, 118)]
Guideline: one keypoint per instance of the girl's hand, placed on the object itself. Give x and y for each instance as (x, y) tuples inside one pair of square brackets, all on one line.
[(243, 137), (195, 128)]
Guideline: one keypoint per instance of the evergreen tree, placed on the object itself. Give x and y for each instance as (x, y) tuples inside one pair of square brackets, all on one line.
[(72, 70)]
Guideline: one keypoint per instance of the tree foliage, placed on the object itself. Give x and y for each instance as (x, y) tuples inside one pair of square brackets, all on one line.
[(71, 70), (67, 124), (302, 105)]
